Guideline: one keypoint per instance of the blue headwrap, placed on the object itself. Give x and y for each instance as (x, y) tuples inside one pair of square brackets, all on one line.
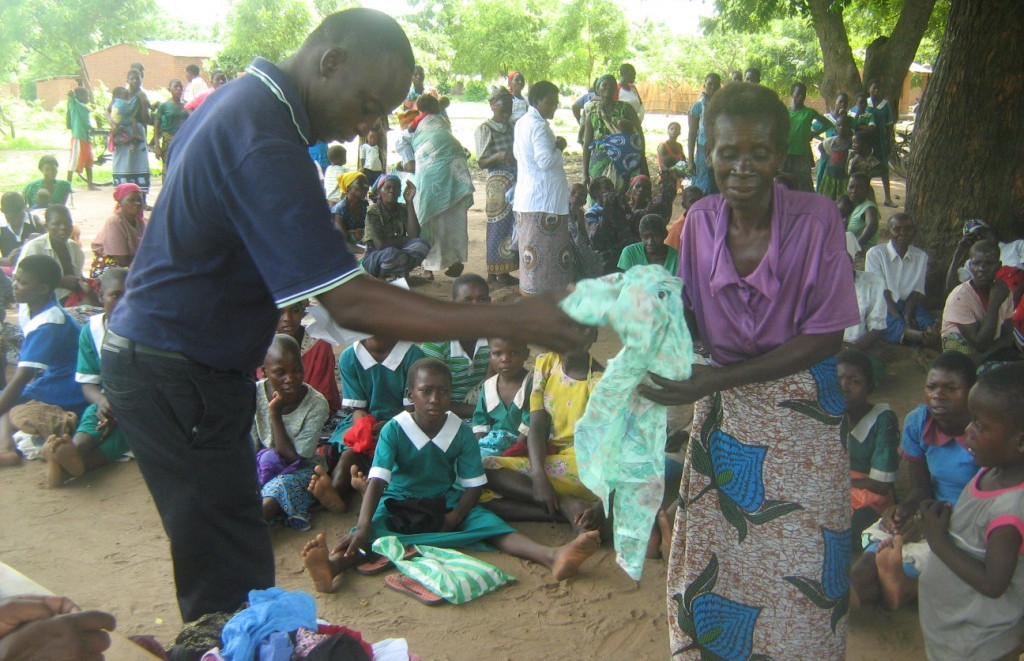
[(975, 225)]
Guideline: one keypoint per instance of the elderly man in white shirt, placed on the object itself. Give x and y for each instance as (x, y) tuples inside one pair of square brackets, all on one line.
[(903, 268), (870, 304), (541, 204)]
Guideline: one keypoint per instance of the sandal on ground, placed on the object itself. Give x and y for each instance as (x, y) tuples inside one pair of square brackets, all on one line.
[(413, 588), (381, 564)]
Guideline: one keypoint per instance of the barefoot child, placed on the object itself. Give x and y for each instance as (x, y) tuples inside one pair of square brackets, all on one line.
[(289, 416), (98, 440), (428, 460), (502, 416), (46, 367), (972, 588), (561, 387), (871, 443), (373, 378), (468, 359), (940, 466)]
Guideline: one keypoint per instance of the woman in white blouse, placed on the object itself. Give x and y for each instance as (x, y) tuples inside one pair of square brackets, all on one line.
[(541, 203)]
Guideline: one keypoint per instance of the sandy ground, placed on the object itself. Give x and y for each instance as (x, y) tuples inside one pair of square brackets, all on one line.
[(99, 540)]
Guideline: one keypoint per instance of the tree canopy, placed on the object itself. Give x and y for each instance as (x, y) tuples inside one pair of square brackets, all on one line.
[(46, 37), (268, 28)]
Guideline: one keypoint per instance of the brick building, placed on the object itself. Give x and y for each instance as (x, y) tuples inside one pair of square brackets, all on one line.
[(163, 60)]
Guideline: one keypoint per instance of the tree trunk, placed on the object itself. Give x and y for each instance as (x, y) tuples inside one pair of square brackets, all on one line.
[(889, 58), (968, 153), (840, 70)]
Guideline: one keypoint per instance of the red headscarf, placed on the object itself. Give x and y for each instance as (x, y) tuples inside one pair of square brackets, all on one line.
[(123, 191)]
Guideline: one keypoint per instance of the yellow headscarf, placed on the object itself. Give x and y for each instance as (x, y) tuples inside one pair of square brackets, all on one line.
[(345, 180)]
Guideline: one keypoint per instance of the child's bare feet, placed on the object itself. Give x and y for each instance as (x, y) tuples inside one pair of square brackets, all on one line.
[(568, 558), (358, 479), (897, 589), (316, 557), (322, 489), (62, 460)]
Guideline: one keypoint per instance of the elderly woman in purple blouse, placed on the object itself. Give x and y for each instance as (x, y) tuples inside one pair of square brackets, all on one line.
[(761, 542)]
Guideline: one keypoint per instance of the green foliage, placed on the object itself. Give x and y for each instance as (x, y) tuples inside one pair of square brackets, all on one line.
[(785, 51), (568, 40), (269, 28), (589, 38), (45, 37), (325, 8), (476, 91), (865, 20)]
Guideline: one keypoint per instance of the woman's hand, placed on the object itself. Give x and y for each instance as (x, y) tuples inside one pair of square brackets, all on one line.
[(900, 520), (701, 383), (410, 192), (544, 493)]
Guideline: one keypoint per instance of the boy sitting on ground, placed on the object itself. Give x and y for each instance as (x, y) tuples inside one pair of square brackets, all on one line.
[(49, 353), (98, 440), (978, 317)]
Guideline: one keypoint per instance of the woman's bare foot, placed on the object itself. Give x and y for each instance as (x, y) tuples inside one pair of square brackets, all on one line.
[(322, 489), (568, 558), (316, 557), (455, 270), (897, 589), (508, 280), (358, 479), (428, 275), (9, 458)]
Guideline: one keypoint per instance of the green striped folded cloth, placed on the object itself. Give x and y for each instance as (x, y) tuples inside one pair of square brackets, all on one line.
[(446, 572)]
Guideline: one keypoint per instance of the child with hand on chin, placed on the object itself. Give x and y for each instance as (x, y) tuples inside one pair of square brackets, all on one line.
[(971, 592), (430, 460), (289, 416)]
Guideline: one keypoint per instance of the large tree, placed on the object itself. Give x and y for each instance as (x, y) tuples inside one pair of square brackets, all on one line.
[(268, 28), (968, 152), (889, 57)]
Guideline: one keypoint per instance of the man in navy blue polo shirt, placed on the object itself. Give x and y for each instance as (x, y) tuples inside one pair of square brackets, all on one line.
[(240, 230)]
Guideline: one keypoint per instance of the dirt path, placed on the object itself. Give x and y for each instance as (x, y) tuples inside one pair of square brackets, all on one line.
[(100, 541)]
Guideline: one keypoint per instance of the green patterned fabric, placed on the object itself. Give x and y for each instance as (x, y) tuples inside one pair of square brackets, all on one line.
[(448, 573)]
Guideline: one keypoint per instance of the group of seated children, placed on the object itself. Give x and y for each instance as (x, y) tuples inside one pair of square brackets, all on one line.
[(954, 541), (408, 449), (407, 446)]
